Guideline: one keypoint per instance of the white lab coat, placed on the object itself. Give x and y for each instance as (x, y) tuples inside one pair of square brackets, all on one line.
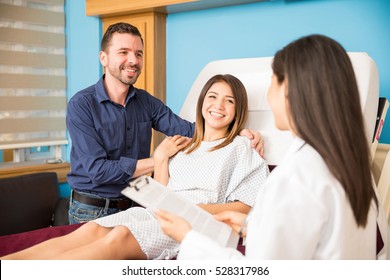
[(301, 213)]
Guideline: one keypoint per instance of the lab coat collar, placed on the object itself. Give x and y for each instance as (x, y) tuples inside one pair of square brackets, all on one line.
[(296, 145)]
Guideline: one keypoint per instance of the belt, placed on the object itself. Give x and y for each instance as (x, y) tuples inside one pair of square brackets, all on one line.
[(120, 204)]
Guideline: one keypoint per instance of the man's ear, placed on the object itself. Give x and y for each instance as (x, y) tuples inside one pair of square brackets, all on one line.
[(103, 58)]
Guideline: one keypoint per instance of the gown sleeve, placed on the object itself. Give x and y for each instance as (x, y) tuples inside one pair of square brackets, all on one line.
[(248, 176)]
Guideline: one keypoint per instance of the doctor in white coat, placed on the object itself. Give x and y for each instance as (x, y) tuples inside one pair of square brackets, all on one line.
[(319, 203)]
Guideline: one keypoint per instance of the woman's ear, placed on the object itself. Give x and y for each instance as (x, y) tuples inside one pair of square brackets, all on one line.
[(290, 122), (285, 84)]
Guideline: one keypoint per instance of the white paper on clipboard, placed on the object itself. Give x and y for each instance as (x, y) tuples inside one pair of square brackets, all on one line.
[(151, 194)]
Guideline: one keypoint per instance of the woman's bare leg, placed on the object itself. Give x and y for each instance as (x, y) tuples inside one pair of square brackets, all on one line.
[(118, 244), (84, 235)]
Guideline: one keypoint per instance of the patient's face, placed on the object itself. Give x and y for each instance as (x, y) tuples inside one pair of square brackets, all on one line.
[(277, 99), (218, 110)]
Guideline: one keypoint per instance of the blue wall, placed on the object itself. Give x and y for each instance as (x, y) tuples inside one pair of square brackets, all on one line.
[(83, 36), (251, 30), (260, 29)]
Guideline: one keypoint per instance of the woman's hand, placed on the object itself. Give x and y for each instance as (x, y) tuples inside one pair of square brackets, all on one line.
[(173, 225), (234, 219), (257, 141), (170, 146)]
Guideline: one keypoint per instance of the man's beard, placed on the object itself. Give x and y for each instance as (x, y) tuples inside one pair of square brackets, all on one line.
[(118, 74), (127, 80)]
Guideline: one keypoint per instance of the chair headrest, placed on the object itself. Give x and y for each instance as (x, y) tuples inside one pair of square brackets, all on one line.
[(256, 73)]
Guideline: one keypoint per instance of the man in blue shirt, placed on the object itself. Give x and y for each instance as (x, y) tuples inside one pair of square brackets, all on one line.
[(110, 124)]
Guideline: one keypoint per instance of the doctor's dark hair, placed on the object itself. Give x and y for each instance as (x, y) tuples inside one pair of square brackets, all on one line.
[(120, 27), (325, 111), (241, 111)]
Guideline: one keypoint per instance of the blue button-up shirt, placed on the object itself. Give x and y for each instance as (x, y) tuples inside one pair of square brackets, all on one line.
[(108, 139)]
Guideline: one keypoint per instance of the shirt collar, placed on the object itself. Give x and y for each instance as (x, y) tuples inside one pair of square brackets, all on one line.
[(102, 94)]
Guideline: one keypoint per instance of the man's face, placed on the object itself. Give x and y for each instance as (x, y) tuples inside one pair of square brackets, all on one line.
[(123, 59)]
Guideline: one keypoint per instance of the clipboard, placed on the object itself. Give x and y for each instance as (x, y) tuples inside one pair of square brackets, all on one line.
[(151, 194)]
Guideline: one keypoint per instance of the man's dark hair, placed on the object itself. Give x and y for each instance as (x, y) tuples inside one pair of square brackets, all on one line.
[(120, 27)]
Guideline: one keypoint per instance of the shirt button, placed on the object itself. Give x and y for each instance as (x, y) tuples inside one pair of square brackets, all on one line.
[(128, 128)]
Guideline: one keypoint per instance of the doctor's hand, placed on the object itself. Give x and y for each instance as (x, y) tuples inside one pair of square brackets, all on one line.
[(173, 225), (256, 140), (234, 219)]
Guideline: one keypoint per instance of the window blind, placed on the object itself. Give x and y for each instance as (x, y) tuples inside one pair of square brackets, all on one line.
[(32, 78)]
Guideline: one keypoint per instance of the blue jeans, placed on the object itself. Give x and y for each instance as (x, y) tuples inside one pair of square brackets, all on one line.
[(80, 212)]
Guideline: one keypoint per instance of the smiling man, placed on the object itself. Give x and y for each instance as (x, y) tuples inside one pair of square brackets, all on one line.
[(110, 124)]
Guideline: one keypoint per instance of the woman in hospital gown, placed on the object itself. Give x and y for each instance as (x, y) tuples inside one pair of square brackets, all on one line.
[(319, 203)]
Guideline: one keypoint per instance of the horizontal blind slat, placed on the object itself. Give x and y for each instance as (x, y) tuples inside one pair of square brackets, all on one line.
[(32, 125), (32, 81), (32, 59), (49, 2), (19, 144), (30, 37), (30, 15), (31, 103)]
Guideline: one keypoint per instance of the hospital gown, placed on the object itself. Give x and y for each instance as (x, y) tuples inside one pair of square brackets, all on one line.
[(233, 173)]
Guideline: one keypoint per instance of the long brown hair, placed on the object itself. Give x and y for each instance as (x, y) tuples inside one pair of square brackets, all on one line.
[(241, 111), (325, 112)]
